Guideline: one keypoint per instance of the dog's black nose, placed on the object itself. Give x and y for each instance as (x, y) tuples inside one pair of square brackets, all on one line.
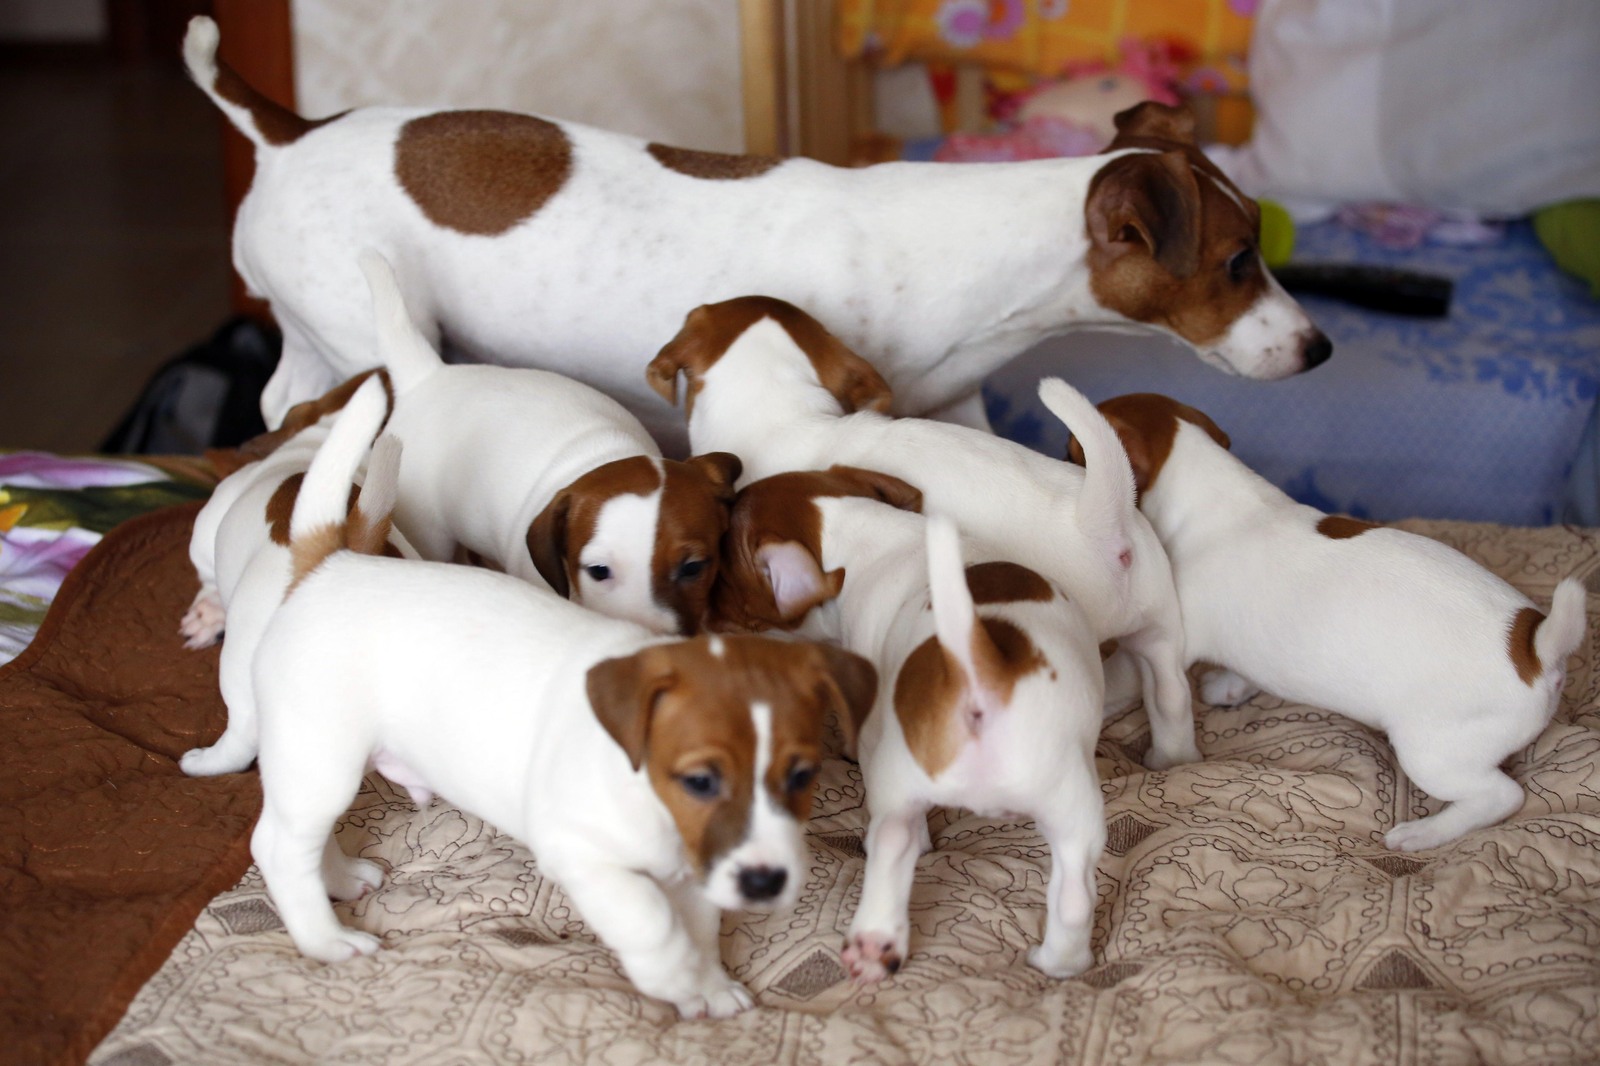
[(1318, 348), (759, 883)]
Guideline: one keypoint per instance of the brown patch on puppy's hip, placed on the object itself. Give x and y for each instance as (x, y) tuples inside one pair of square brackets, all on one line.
[(1003, 582), (481, 172), (1524, 626), (1343, 527)]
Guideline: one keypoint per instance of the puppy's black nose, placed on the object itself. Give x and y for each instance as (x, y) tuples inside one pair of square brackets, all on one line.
[(1318, 348), (758, 883)]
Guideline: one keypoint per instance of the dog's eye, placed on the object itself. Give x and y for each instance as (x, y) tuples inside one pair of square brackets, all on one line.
[(800, 777), (1239, 266), (690, 570), (701, 784), (598, 572)]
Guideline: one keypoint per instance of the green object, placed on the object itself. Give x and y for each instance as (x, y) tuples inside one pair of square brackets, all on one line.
[(1571, 233), (1277, 233)]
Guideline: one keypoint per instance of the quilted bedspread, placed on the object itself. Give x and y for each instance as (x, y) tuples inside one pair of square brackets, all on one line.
[(1248, 913)]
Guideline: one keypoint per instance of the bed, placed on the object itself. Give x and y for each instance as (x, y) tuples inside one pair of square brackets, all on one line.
[(1248, 910)]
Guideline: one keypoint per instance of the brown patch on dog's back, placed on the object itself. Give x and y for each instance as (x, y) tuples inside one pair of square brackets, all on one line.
[(1005, 582), (481, 172), (1147, 425), (715, 166), (1524, 626), (709, 331), (1343, 527)]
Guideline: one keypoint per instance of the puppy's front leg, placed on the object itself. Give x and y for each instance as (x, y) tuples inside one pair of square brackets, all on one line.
[(880, 933), (662, 949)]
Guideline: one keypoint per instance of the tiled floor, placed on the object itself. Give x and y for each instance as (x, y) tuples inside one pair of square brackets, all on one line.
[(113, 240)]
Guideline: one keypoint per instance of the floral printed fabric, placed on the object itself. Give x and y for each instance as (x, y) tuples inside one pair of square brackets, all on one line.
[(53, 509), (1248, 913)]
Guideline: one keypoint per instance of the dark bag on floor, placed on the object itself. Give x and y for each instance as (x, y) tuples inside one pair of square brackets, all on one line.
[(208, 397)]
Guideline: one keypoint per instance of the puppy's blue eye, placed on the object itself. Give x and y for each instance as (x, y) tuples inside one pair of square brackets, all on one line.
[(691, 569), (598, 572), (702, 784)]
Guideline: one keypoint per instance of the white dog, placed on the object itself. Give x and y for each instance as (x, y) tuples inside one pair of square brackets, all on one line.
[(1394, 630), (240, 551), (657, 781), (548, 480), (767, 382), (989, 686), (540, 243)]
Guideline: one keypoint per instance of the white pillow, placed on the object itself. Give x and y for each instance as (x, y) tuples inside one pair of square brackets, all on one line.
[(1491, 106)]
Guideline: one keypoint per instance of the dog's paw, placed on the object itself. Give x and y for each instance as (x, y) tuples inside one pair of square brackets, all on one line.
[(352, 878), (342, 946), (208, 762), (202, 623), (1224, 688), (1156, 759), (723, 1001), (1069, 964), (1418, 835), (870, 957)]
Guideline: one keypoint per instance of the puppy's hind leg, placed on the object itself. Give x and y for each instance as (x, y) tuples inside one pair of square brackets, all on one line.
[(1166, 697), (1075, 828), (1476, 797), (347, 876), (235, 750)]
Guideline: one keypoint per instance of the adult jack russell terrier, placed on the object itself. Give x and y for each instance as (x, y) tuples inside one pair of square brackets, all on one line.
[(656, 780), (240, 551), (768, 383), (532, 242), (989, 686), (548, 479), (1392, 629)]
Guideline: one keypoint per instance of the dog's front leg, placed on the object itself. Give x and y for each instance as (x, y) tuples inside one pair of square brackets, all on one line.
[(662, 948), (880, 933)]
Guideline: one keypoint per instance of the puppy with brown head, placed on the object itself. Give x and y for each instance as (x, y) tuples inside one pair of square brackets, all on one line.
[(989, 686)]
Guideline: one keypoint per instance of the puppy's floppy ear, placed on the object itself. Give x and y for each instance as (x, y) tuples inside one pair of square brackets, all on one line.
[(1149, 119), (623, 693), (848, 686), (685, 353), (1147, 203), (1146, 465), (1203, 420), (854, 382), (886, 487), (722, 469), (547, 543), (796, 579)]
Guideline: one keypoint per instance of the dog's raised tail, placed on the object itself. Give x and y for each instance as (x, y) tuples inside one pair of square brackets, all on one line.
[(1558, 635), (262, 120), (1105, 508), (323, 520), (966, 640), (401, 347)]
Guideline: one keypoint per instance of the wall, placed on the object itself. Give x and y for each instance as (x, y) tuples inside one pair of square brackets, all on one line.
[(664, 69), (52, 20)]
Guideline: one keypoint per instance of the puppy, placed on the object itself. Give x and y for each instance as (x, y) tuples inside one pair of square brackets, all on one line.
[(657, 780), (1394, 630), (989, 687), (533, 242), (548, 480), (766, 381), (240, 551)]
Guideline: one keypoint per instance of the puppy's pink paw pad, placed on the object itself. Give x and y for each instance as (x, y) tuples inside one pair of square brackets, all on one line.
[(870, 957), (203, 623)]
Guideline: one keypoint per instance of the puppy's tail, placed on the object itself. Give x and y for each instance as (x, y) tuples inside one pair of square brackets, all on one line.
[(258, 118), (1105, 509), (323, 520), (1558, 635), (406, 353), (966, 641)]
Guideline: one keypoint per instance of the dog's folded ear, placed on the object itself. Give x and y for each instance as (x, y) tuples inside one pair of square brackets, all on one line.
[(796, 579), (690, 353), (624, 692), (547, 543), (1149, 120), (848, 687), (878, 485), (1147, 203), (722, 469)]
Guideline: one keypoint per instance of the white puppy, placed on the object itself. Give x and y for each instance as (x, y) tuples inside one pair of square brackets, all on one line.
[(1394, 630), (656, 780), (240, 551), (989, 686), (534, 242), (548, 480), (767, 382)]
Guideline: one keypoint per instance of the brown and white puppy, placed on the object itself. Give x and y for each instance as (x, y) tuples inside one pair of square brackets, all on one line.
[(658, 781), (548, 480), (540, 243), (240, 551), (989, 685), (1394, 630)]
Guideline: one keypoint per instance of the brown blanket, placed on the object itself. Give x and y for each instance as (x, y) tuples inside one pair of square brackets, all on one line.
[(107, 851)]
